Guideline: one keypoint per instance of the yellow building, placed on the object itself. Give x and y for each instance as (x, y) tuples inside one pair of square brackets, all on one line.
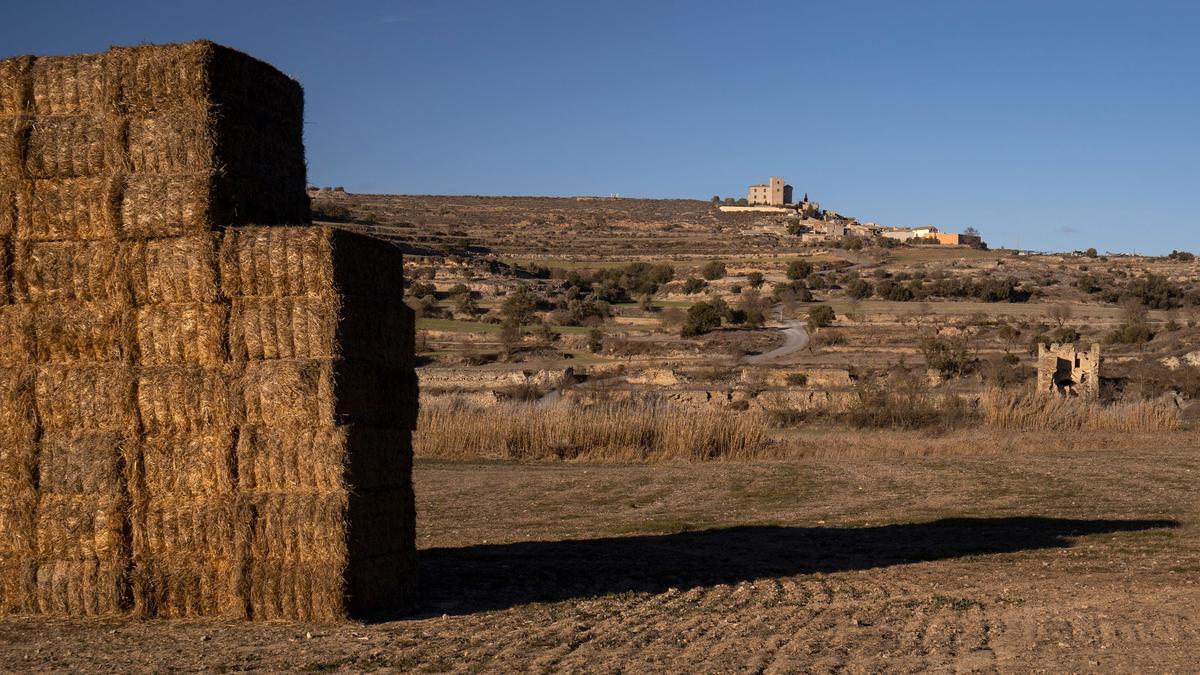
[(774, 193)]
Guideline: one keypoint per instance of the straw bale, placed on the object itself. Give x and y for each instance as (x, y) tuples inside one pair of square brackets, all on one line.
[(297, 556), (16, 335), (18, 460), (283, 328), (18, 503), (18, 411), (69, 270), (73, 146), (323, 392), (382, 522), (166, 206), (184, 399), (13, 134), (272, 459), (85, 397), (188, 466), (70, 85), (277, 262), (71, 208), (81, 587), (178, 142), (14, 85), (17, 584), (309, 261), (8, 207), (72, 332), (288, 393), (378, 459), (174, 269), (188, 558), (86, 463), (5, 271), (181, 333), (298, 328)]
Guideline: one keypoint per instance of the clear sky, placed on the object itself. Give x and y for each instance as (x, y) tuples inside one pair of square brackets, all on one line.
[(1046, 125)]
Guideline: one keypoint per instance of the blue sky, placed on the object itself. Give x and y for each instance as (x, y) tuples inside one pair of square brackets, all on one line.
[(1046, 125)]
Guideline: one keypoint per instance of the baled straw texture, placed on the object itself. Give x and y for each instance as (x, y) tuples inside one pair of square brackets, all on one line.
[(73, 146), (188, 558), (297, 556), (80, 332), (188, 466), (14, 85), (164, 206), (71, 85), (184, 400), (272, 459), (284, 328), (71, 208), (16, 335), (173, 269), (53, 271), (13, 134), (8, 207), (188, 333), (18, 411), (85, 397)]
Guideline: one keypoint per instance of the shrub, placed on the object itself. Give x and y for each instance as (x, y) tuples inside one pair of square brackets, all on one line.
[(799, 269), (702, 318), (796, 379), (713, 270), (755, 279), (519, 307), (949, 357), (859, 289), (694, 285), (820, 316), (595, 341)]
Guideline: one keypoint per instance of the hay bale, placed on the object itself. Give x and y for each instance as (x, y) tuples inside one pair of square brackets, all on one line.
[(71, 208), (188, 466), (18, 410), (73, 146), (13, 134), (85, 397), (71, 85), (17, 584), (16, 335), (190, 333), (308, 327), (18, 504), (184, 400), (8, 206), (53, 271), (74, 332), (174, 143), (280, 262), (302, 393), (167, 206), (271, 459), (14, 85), (174, 269), (187, 558), (84, 463), (297, 556)]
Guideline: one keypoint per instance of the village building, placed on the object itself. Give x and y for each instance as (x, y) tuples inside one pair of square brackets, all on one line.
[(776, 192)]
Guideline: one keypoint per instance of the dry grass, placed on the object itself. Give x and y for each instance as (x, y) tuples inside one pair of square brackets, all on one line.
[(1024, 411), (601, 433)]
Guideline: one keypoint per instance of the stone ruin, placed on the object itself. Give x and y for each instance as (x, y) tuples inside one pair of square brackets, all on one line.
[(1066, 371)]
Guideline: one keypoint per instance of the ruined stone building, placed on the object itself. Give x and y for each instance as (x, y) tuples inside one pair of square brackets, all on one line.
[(774, 193), (1066, 371)]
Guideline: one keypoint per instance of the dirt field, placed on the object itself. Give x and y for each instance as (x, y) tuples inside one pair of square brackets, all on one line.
[(1054, 561)]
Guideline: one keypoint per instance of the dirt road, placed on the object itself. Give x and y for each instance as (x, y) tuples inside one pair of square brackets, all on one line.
[(1067, 561), (795, 338)]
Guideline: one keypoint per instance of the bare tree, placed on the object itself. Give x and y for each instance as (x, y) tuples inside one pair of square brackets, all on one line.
[(1059, 314)]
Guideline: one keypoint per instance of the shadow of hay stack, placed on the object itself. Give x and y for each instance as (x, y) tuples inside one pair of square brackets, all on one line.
[(486, 578), (199, 416)]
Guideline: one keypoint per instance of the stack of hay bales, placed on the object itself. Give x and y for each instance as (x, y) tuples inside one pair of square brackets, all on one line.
[(194, 420)]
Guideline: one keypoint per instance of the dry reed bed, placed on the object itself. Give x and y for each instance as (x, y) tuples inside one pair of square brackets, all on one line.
[(1006, 422), (601, 433)]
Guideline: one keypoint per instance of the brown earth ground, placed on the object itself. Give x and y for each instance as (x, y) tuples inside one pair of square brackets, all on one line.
[(1064, 560)]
